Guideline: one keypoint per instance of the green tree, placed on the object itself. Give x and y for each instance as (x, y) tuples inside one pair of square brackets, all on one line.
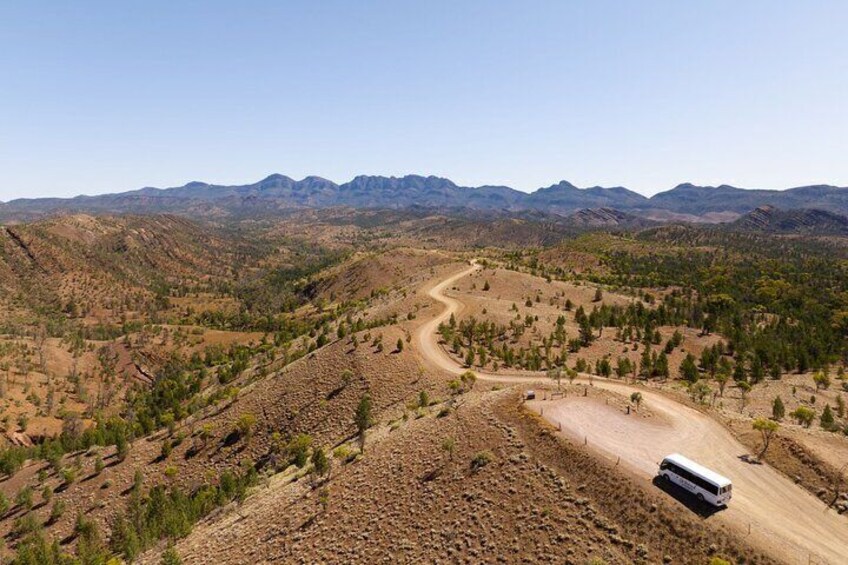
[(56, 511), (721, 379), (622, 367), (469, 357), (688, 369), (91, 550), (636, 398), (555, 374), (767, 429), (364, 418), (778, 411), (320, 463), (587, 336), (122, 447), (804, 415), (646, 367), (744, 389), (826, 418), (661, 366)]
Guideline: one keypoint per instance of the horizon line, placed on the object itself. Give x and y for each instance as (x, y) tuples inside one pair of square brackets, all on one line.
[(425, 176)]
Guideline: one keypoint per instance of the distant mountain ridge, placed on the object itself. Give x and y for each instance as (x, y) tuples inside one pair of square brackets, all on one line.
[(278, 192), (800, 221)]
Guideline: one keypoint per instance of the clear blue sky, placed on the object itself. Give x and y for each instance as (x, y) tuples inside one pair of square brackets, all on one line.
[(110, 96)]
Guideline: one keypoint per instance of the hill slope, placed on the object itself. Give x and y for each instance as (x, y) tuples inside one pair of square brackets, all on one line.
[(801, 221)]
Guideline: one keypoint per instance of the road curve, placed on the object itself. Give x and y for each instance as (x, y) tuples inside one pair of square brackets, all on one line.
[(784, 518)]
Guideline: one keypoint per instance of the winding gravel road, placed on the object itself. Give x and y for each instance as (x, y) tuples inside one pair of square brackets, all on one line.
[(783, 518)]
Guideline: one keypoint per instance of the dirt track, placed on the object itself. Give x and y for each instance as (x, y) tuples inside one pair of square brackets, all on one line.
[(783, 518)]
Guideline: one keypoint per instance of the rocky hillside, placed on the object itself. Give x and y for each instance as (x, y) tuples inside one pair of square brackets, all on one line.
[(102, 265), (801, 221)]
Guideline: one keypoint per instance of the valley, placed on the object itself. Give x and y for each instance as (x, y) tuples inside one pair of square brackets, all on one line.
[(286, 392)]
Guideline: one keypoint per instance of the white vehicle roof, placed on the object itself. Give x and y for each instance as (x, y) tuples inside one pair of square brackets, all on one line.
[(698, 469)]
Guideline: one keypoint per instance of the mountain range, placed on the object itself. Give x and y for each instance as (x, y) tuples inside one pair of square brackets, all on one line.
[(277, 193)]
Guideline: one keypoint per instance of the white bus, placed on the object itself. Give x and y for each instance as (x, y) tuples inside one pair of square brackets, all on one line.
[(707, 485)]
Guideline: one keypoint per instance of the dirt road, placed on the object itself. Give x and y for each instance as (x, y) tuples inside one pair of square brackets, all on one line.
[(783, 518)]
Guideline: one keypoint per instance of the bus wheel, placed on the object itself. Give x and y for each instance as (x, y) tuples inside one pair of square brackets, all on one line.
[(700, 497), (666, 478)]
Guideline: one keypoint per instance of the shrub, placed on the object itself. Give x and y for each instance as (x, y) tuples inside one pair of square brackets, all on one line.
[(344, 453), (46, 494), (245, 425), (298, 449), (699, 391), (449, 445), (804, 415), (468, 378), (171, 557), (122, 448), (26, 524), (57, 510), (481, 459), (166, 448), (822, 380), (69, 475), (24, 498)]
